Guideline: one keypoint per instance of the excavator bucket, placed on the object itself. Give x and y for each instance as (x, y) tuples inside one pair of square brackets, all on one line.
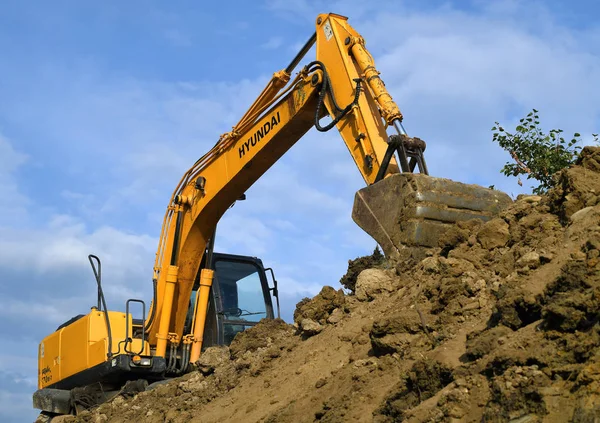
[(414, 209)]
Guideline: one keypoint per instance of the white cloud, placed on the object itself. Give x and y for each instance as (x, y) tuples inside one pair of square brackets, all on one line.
[(12, 203), (55, 313), (16, 362), (272, 43), (66, 242), (298, 8), (14, 406), (284, 190), (238, 234), (283, 225)]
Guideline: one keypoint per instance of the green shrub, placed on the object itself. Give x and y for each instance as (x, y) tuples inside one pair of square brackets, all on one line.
[(536, 154)]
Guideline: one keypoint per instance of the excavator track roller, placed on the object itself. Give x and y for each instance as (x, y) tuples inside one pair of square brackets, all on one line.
[(415, 210)]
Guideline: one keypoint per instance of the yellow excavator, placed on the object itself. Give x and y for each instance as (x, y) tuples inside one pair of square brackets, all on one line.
[(203, 298)]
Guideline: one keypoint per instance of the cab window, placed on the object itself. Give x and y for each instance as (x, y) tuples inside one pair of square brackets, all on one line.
[(242, 296)]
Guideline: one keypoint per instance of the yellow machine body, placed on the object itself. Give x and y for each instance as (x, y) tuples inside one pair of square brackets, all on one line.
[(83, 344)]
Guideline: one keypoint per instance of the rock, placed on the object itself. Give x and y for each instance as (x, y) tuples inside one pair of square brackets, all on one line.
[(546, 257), (336, 316), (118, 401), (531, 260), (191, 383), (212, 358), (320, 383), (431, 265), (477, 285), (581, 214), (473, 305), (494, 234), (453, 237), (455, 267), (529, 418), (472, 240), (482, 343), (532, 199), (371, 282), (310, 327), (588, 374), (319, 307), (394, 333)]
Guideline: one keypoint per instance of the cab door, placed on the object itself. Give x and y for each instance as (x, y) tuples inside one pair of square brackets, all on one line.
[(240, 297)]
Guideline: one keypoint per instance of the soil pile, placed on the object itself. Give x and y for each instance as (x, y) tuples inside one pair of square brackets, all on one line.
[(500, 323)]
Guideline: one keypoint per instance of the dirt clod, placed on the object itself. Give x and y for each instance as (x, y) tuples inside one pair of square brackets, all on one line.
[(359, 264), (309, 327), (372, 282), (423, 381), (211, 359), (321, 306), (260, 336), (494, 234)]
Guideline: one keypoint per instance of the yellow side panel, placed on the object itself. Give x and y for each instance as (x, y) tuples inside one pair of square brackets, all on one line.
[(79, 346), (97, 352), (97, 327), (73, 347), (117, 327), (48, 360)]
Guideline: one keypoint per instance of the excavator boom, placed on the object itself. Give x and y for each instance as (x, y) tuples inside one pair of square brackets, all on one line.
[(342, 83)]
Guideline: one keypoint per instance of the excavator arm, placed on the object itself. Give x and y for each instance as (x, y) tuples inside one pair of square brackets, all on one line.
[(343, 83)]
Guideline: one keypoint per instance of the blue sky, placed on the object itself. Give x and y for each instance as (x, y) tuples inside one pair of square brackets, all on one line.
[(103, 106)]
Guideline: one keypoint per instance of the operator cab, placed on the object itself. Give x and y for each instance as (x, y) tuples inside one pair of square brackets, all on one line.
[(240, 297)]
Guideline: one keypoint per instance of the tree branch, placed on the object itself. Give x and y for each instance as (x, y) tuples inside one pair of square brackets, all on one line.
[(519, 162)]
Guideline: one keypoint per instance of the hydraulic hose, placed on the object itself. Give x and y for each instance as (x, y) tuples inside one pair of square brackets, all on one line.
[(327, 89)]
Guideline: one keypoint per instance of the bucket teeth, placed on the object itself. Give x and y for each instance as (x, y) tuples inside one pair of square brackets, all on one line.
[(414, 210)]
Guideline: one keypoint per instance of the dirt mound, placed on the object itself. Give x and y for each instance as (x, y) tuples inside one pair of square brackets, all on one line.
[(500, 323), (579, 185)]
